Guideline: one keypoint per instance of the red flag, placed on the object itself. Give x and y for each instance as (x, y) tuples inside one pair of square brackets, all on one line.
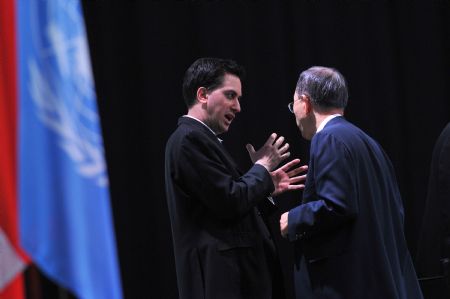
[(12, 258)]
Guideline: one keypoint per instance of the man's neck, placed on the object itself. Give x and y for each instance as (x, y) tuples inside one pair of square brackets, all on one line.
[(320, 117), (196, 113), (200, 119)]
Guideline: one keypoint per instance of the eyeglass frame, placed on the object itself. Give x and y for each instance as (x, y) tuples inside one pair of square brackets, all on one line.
[(291, 104)]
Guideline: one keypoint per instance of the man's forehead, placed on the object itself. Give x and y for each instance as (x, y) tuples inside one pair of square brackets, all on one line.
[(231, 78), (231, 82)]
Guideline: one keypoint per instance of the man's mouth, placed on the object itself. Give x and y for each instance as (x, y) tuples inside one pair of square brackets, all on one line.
[(229, 117)]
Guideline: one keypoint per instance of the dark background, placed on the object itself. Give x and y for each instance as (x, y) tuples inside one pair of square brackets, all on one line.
[(394, 55)]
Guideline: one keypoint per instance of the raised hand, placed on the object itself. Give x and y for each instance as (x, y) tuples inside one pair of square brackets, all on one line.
[(272, 153), (286, 179)]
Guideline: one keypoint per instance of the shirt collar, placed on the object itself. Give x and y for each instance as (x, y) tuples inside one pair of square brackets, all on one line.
[(326, 120)]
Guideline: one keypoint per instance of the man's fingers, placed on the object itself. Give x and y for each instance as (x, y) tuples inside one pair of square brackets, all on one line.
[(284, 224), (250, 148), (271, 139), (284, 148), (294, 171), (296, 187), (296, 179), (285, 156), (290, 164), (297, 170), (279, 142)]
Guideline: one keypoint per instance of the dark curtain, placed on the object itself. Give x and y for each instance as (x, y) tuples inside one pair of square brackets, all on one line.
[(394, 55)]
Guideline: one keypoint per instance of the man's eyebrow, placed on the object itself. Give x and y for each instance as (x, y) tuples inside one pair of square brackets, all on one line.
[(233, 93)]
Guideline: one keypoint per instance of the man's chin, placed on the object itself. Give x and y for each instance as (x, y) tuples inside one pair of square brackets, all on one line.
[(224, 128), (304, 134), (308, 136), (220, 130)]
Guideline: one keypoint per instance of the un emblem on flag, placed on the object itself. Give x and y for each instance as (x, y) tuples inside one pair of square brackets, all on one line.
[(61, 87)]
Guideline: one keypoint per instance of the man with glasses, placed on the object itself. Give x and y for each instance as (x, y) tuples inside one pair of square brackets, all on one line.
[(348, 230), (222, 246)]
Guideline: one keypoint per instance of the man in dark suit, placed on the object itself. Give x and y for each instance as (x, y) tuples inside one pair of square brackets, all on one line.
[(222, 246), (433, 250), (348, 230)]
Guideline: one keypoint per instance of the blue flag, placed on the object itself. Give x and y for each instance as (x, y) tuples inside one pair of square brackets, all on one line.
[(65, 215)]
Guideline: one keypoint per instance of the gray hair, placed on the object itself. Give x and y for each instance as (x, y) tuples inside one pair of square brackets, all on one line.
[(325, 86)]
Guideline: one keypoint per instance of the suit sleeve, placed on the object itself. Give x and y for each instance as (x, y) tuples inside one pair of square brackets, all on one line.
[(209, 180), (330, 199)]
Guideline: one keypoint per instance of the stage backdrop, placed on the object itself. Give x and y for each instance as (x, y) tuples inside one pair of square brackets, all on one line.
[(394, 55)]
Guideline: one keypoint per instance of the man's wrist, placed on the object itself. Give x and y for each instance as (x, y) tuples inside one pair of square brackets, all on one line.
[(263, 165)]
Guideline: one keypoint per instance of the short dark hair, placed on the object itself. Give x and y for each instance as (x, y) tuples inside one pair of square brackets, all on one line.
[(209, 73), (325, 86)]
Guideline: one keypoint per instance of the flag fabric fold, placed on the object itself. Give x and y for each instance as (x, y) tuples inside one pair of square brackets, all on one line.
[(66, 223)]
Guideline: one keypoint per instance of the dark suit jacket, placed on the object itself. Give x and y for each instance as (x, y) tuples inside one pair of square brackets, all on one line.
[(348, 231), (433, 250), (222, 246)]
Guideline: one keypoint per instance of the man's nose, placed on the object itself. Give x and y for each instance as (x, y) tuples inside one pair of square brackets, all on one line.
[(237, 106)]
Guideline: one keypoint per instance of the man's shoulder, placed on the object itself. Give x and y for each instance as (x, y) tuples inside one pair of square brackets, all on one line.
[(336, 128), (189, 132), (185, 131), (350, 137), (339, 124), (343, 134), (343, 129)]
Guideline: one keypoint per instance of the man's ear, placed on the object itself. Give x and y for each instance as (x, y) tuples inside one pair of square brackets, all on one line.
[(308, 104), (202, 94)]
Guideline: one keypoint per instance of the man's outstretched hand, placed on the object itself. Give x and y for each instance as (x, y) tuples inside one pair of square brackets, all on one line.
[(286, 177), (272, 153)]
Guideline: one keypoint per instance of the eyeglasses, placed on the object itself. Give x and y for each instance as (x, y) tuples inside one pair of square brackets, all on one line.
[(291, 106)]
